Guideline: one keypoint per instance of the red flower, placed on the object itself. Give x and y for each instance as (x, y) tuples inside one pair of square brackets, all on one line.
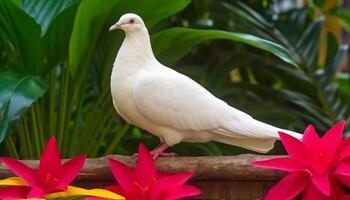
[(144, 182), (318, 167), (50, 177)]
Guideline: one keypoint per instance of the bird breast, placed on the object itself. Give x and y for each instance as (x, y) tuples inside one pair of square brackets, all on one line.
[(121, 89), (123, 80)]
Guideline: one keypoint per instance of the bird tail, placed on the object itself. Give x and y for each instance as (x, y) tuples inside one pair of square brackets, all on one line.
[(251, 134), (255, 129), (253, 144), (269, 130)]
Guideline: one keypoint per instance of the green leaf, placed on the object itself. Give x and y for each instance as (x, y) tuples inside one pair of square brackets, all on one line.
[(86, 29), (17, 92), (146, 9), (17, 2), (342, 79), (172, 44), (89, 25), (44, 12), (319, 3), (309, 42), (56, 39), (4, 120), (22, 34), (298, 103), (332, 46), (248, 20), (335, 57), (292, 78), (246, 14)]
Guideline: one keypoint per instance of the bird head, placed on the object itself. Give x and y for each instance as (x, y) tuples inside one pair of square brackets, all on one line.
[(129, 23)]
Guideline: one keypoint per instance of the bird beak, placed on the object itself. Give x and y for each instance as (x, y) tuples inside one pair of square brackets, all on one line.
[(118, 25)]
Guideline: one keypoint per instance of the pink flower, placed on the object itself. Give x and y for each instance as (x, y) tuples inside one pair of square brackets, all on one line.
[(144, 182), (317, 166)]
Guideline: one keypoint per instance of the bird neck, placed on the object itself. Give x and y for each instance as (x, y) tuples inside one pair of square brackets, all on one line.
[(136, 49)]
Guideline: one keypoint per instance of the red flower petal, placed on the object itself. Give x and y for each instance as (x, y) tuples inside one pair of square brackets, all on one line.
[(322, 183), (168, 183), (14, 192), (36, 193), (289, 187), (295, 148), (122, 173), (21, 170), (284, 164), (70, 170), (337, 190), (310, 137), (330, 144), (343, 169), (344, 150), (331, 141), (312, 193), (50, 161), (182, 192), (176, 179), (345, 197), (345, 180), (145, 169)]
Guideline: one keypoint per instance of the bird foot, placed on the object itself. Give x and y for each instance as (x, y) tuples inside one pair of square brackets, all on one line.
[(159, 152), (155, 155)]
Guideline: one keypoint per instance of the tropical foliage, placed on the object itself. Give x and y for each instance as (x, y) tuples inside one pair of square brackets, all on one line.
[(268, 60)]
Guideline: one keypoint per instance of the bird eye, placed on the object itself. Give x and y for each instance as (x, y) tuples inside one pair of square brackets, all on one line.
[(132, 21)]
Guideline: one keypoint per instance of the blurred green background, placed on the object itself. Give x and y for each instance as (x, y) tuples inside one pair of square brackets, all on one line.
[(283, 62)]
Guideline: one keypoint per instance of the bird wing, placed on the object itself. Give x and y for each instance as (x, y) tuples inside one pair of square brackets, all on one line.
[(171, 99)]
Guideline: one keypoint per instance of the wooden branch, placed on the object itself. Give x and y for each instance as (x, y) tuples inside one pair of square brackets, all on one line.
[(218, 168)]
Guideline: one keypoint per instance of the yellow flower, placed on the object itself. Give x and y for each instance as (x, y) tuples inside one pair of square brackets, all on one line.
[(14, 182)]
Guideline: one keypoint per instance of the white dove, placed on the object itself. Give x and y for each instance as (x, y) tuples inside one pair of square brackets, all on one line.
[(171, 105)]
